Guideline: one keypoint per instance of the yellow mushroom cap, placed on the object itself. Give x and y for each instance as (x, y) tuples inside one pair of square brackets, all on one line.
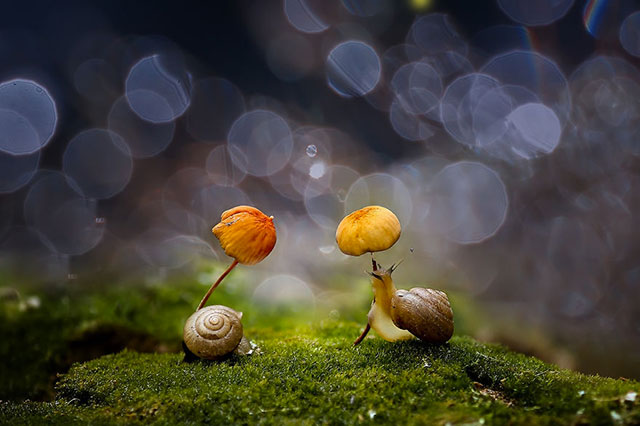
[(372, 228), (246, 234)]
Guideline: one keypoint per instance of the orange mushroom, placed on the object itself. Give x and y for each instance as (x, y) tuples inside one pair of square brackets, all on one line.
[(247, 235)]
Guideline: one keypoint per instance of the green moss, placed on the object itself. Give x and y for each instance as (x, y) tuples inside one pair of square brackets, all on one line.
[(308, 372), (313, 374)]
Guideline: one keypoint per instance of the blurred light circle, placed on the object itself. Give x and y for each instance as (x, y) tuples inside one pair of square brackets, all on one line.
[(417, 87), (408, 125), (325, 204), (211, 201), (325, 209), (17, 171), (221, 169), (460, 101), (535, 13), (284, 291), (99, 161), (489, 116), (607, 96), (260, 143), (435, 33), (28, 116), (290, 57), (449, 65), (215, 104), (311, 146), (301, 15), (538, 127), (501, 137), (144, 138), (66, 222), (167, 249), (380, 189), (365, 8), (18, 137), (353, 69), (538, 74), (317, 170), (630, 34), (157, 89), (617, 101), (467, 202)]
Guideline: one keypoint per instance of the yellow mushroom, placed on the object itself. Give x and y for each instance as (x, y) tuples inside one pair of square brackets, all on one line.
[(370, 229), (247, 235)]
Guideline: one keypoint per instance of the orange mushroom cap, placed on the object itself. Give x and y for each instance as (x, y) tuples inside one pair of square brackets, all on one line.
[(370, 229), (246, 234)]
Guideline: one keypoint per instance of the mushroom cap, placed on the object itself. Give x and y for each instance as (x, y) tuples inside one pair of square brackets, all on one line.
[(370, 229), (246, 234)]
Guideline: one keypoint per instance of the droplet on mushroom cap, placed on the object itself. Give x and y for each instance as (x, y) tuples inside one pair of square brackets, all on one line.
[(246, 234), (370, 229)]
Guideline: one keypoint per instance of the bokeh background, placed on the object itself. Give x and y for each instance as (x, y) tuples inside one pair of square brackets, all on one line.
[(504, 134)]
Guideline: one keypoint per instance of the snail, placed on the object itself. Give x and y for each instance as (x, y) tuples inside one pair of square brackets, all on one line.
[(395, 314), (215, 332), (398, 314)]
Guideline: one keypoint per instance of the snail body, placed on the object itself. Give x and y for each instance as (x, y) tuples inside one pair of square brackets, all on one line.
[(214, 332), (400, 314)]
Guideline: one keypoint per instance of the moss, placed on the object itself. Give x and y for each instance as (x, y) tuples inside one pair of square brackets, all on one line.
[(308, 371), (313, 374)]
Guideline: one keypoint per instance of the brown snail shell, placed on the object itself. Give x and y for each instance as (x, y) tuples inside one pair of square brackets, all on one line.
[(424, 312), (214, 332)]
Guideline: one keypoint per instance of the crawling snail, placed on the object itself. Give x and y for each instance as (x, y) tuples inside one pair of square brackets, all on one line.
[(423, 312), (394, 314), (248, 236)]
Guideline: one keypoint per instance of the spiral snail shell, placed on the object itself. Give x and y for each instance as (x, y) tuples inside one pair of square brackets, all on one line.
[(424, 312), (214, 332)]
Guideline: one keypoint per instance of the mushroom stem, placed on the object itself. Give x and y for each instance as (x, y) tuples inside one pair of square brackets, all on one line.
[(373, 262), (363, 335), (218, 281)]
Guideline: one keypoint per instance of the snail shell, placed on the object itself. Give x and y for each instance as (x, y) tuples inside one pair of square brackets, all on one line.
[(213, 332), (425, 312)]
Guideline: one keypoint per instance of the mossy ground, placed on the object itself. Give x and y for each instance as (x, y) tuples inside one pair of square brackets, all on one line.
[(307, 370)]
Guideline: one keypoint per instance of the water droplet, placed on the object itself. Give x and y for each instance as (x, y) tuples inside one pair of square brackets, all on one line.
[(312, 150)]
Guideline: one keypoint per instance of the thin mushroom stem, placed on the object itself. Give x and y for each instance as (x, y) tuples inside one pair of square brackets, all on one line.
[(218, 281), (363, 335), (373, 262)]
